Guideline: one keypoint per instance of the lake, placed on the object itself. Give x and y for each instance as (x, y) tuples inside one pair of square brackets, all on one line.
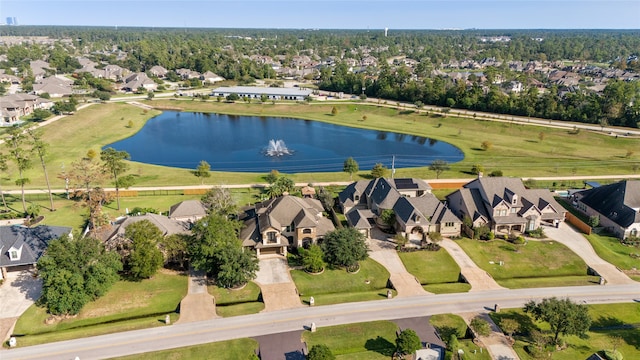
[(239, 143)]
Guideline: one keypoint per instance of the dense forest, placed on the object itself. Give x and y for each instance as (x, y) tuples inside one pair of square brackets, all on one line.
[(227, 52)]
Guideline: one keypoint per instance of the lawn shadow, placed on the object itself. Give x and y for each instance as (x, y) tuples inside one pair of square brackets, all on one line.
[(380, 345), (526, 323)]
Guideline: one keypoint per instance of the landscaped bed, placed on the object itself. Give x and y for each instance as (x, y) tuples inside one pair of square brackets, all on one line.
[(230, 302), (223, 350), (534, 264), (610, 321), (126, 306), (339, 286), (436, 270)]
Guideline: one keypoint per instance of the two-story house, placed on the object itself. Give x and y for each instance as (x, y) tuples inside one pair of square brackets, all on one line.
[(505, 205), (286, 221), (416, 209)]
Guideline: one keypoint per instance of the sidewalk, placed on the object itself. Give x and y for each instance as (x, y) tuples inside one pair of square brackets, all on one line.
[(475, 276)]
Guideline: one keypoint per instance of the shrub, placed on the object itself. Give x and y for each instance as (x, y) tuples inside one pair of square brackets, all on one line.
[(476, 169), (435, 236), (612, 354), (537, 233), (495, 173), (486, 145), (594, 221), (480, 326), (143, 210), (491, 235), (519, 240)]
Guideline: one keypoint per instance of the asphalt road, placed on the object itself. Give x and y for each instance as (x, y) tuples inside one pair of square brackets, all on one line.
[(172, 336)]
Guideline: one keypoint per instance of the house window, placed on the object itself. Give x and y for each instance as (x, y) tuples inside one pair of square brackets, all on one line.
[(290, 228), (634, 232), (306, 231), (448, 224), (272, 237), (513, 210), (356, 197), (13, 254)]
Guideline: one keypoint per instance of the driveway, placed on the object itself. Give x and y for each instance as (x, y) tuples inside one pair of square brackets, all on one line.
[(383, 251), (278, 290), (574, 240), (496, 343), (282, 346), (198, 305), (19, 291), (475, 276)]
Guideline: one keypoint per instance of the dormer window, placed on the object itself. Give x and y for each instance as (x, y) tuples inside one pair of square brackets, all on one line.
[(514, 199), (13, 255), (356, 197), (417, 219)]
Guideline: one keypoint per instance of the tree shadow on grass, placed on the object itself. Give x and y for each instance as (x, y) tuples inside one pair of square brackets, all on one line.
[(380, 345), (526, 323)]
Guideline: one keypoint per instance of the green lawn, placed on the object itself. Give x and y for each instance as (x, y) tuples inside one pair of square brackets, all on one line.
[(127, 306), (224, 350), (559, 153), (362, 341), (609, 321), (610, 249), (337, 285), (549, 263), (436, 270), (448, 324), (237, 302)]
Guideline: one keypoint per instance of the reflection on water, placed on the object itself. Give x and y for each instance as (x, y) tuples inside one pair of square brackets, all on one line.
[(237, 143)]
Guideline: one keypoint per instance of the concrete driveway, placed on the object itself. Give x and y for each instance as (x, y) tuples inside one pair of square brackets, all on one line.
[(19, 291), (278, 290), (571, 238), (475, 276), (282, 346)]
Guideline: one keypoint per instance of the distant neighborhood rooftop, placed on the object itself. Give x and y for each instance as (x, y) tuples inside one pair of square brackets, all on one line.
[(263, 90)]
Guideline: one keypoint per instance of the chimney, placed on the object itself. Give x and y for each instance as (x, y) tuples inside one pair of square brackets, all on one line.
[(479, 174)]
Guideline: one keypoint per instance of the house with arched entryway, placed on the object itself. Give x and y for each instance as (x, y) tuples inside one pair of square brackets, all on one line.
[(284, 222), (505, 205)]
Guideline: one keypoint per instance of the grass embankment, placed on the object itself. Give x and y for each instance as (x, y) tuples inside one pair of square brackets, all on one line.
[(610, 321), (536, 264), (126, 306), (338, 286), (436, 270), (448, 324), (362, 341), (224, 350), (516, 150), (610, 249), (237, 302)]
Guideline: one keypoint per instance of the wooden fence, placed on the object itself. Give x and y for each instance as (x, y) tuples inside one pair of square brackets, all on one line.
[(579, 224)]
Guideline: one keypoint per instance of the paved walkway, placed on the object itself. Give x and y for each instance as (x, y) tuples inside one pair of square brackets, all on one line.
[(496, 343), (19, 291), (475, 276), (575, 241), (198, 304), (282, 346), (383, 251), (278, 290)]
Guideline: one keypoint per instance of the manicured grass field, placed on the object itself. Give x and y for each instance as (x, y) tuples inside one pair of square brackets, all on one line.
[(609, 321), (127, 306), (613, 251), (338, 286), (436, 270), (516, 149), (547, 261), (237, 302), (362, 341), (224, 350)]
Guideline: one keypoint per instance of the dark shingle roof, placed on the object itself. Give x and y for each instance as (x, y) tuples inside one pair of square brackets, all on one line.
[(34, 242), (618, 202)]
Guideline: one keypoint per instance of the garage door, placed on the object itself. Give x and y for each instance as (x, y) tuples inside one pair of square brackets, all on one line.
[(269, 251)]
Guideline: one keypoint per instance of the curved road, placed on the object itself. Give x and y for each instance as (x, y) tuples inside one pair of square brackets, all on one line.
[(172, 336)]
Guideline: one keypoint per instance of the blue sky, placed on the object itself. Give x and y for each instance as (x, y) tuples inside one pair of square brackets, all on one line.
[(345, 14)]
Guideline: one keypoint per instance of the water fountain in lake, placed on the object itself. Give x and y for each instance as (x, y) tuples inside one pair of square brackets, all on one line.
[(277, 148)]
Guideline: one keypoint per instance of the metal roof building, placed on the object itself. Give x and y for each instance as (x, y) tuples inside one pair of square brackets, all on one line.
[(257, 92)]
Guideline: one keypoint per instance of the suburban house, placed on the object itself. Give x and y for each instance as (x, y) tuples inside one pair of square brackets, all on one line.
[(505, 205), (114, 233), (286, 221), (54, 86), (188, 210), (617, 205), (158, 71), (210, 77), (139, 81), (39, 69), (417, 210), (21, 247), (253, 92), (14, 106), (186, 74)]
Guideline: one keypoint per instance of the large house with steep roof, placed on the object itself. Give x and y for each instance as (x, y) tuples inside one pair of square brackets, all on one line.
[(505, 205), (188, 210), (617, 205), (416, 209), (286, 221), (21, 247), (114, 233)]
